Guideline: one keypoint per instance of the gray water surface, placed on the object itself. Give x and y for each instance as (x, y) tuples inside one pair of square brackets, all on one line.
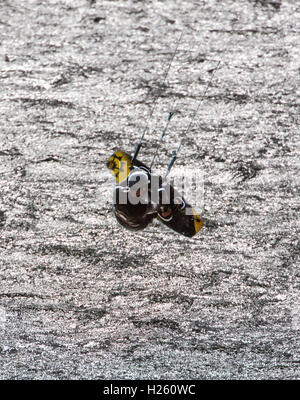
[(80, 297)]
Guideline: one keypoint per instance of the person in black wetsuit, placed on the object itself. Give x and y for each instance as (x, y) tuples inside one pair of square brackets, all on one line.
[(137, 201)]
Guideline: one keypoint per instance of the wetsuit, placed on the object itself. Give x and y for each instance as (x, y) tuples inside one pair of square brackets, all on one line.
[(136, 212)]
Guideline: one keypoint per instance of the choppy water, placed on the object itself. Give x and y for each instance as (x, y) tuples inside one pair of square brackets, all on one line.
[(79, 296)]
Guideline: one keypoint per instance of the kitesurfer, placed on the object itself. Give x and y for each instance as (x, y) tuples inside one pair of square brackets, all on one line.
[(143, 197)]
